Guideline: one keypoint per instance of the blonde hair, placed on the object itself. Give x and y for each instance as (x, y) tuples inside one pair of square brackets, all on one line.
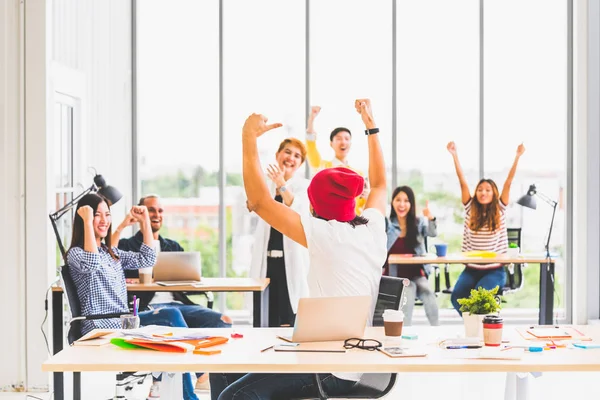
[(296, 143)]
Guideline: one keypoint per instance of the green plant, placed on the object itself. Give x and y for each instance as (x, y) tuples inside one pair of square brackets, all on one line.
[(513, 245), (481, 301)]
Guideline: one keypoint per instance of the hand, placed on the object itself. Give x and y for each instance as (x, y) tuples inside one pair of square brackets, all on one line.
[(451, 148), (86, 213), (140, 213), (363, 107), (520, 150), (276, 175), (427, 212), (128, 221), (314, 111), (255, 126)]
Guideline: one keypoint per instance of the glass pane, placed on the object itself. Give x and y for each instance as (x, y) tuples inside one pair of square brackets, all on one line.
[(263, 72), (525, 101), (438, 102), (351, 59), (178, 119)]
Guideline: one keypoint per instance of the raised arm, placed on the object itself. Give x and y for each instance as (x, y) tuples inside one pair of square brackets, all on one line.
[(277, 176), (378, 194), (505, 196), (464, 188), (127, 221), (272, 212), (312, 153)]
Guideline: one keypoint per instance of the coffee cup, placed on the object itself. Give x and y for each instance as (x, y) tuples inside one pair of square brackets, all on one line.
[(130, 321), (492, 330), (392, 322), (145, 276), (441, 249)]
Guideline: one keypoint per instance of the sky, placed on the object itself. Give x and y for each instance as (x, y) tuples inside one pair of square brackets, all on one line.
[(437, 79)]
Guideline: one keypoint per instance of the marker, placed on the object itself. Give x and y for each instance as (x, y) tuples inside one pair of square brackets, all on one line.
[(463, 347), (134, 305), (532, 349)]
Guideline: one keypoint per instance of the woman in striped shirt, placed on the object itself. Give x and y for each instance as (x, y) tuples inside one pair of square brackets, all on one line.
[(484, 229)]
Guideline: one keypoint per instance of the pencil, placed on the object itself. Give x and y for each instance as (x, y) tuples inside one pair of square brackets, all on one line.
[(267, 348)]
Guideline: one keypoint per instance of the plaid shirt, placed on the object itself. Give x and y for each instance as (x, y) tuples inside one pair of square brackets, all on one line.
[(100, 281)]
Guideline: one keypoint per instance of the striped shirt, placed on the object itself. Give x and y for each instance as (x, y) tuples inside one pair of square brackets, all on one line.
[(100, 282), (484, 239)]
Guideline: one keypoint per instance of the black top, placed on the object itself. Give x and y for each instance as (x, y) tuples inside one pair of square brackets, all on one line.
[(276, 238)]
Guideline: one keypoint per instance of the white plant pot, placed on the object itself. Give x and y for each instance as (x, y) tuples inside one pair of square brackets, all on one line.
[(473, 325), (513, 251)]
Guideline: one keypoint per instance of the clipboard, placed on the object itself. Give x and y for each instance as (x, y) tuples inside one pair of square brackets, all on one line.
[(549, 333)]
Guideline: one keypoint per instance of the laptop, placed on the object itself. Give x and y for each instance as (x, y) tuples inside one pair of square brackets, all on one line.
[(324, 319), (175, 268)]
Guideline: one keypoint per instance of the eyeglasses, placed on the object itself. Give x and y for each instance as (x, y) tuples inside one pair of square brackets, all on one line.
[(363, 344)]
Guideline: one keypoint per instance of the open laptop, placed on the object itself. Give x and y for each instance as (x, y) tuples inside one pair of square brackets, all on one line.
[(324, 319), (175, 268)]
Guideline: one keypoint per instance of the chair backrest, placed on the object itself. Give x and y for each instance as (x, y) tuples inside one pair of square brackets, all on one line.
[(390, 293), (70, 292), (514, 273)]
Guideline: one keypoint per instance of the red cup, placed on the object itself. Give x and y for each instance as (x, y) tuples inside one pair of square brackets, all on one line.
[(492, 330)]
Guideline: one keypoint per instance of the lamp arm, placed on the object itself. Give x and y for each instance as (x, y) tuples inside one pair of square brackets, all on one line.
[(546, 199), (550, 231), (54, 217)]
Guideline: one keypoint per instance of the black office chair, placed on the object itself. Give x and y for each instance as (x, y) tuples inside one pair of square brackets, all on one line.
[(374, 386), (74, 333), (514, 271)]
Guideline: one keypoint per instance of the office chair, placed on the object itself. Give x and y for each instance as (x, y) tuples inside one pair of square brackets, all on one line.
[(374, 386), (514, 272), (74, 333)]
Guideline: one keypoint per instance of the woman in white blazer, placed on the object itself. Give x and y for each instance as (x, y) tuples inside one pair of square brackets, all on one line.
[(275, 256)]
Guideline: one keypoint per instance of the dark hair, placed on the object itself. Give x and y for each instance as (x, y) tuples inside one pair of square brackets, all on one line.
[(483, 215), (358, 219), (338, 130), (412, 223), (143, 199), (93, 200)]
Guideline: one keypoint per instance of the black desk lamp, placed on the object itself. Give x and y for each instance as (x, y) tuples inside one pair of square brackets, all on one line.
[(99, 186), (529, 201)]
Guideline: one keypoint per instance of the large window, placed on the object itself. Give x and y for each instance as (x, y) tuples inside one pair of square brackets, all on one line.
[(525, 101), (444, 62)]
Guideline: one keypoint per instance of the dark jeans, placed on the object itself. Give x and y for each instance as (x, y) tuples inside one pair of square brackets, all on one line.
[(472, 278), (274, 386), (280, 308)]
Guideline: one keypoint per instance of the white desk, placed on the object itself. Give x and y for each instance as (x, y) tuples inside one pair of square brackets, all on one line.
[(243, 355), (546, 285)]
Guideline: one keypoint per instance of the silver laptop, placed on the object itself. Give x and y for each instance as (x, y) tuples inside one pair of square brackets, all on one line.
[(323, 319), (177, 268)]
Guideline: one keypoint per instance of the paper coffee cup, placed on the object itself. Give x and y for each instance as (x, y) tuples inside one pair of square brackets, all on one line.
[(145, 275), (392, 322)]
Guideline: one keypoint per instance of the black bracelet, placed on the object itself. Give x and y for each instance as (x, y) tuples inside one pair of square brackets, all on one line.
[(371, 131)]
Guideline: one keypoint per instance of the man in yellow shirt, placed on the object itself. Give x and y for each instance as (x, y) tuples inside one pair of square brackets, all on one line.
[(340, 141)]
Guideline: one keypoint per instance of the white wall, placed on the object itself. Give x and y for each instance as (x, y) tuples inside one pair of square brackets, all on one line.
[(12, 272), (81, 48)]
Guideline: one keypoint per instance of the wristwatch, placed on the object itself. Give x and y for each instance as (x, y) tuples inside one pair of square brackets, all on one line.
[(371, 131), (282, 189)]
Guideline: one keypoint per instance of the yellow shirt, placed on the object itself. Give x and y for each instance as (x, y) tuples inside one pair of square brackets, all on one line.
[(317, 164)]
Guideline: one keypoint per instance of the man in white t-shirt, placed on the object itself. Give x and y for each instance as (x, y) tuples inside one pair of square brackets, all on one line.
[(346, 251)]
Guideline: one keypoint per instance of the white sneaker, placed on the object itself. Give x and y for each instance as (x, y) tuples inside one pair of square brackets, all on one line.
[(154, 391)]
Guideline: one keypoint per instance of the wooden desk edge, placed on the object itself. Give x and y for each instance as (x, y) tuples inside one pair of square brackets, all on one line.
[(138, 287)]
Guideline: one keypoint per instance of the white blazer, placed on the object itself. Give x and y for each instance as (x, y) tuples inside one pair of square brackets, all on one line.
[(295, 255)]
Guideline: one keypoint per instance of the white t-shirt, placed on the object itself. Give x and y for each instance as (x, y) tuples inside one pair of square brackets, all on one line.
[(346, 261)]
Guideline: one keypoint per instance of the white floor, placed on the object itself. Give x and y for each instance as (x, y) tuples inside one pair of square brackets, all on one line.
[(419, 386)]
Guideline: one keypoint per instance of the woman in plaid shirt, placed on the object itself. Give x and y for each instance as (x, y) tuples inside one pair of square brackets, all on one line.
[(98, 268)]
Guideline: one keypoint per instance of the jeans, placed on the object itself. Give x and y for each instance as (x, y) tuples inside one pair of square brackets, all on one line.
[(420, 285), (170, 317), (472, 278), (196, 316), (274, 386)]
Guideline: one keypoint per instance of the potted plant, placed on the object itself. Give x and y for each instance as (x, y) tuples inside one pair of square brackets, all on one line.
[(480, 303), (513, 249)]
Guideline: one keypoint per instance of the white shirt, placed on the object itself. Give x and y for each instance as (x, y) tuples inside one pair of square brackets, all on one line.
[(346, 261)]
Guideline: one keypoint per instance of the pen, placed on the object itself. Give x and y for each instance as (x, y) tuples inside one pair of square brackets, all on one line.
[(267, 348), (463, 347), (533, 349), (134, 305)]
